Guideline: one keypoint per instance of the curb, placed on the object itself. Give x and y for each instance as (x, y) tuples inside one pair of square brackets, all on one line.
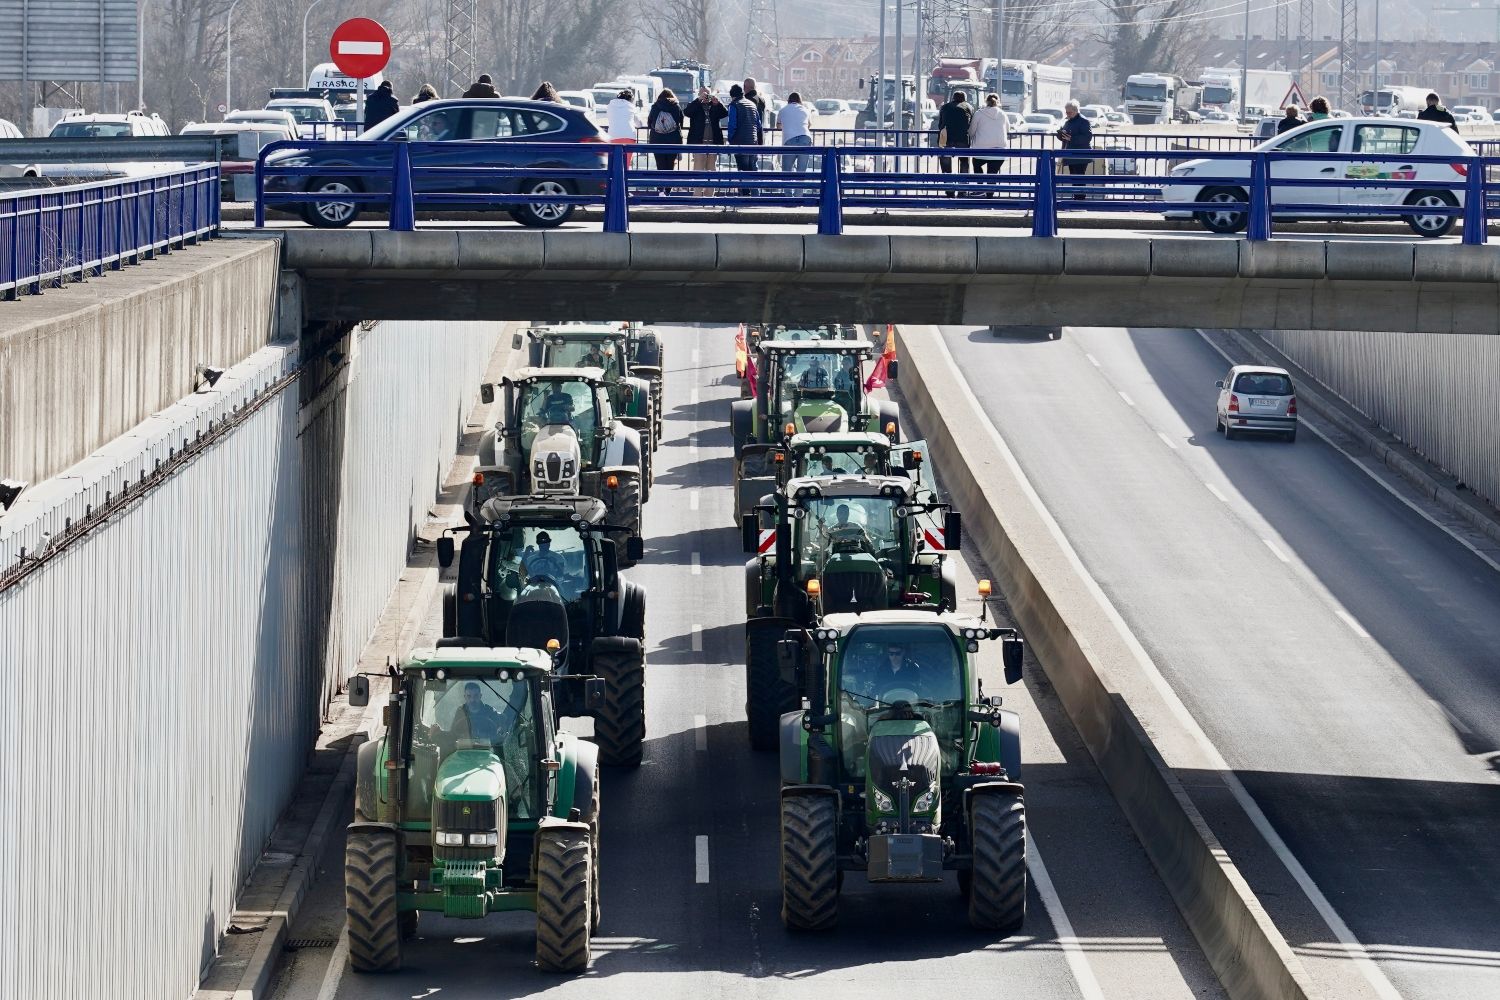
[(1392, 452), (1088, 658)]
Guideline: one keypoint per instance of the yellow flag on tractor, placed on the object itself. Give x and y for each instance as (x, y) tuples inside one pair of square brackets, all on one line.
[(741, 353)]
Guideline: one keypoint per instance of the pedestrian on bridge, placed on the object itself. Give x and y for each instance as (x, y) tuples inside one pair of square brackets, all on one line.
[(753, 96), (1076, 133), (989, 130), (381, 105), (1435, 112), (1292, 120), (705, 118), (482, 87), (425, 94), (742, 127), (623, 121), (796, 130), (546, 92), (1317, 109), (665, 120), (954, 119)]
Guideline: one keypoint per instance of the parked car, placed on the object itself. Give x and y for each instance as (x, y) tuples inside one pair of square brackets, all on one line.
[(311, 115), (1014, 121), (1473, 112), (1215, 115), (1038, 122), (583, 100), (9, 131), (495, 132), (1390, 145), (130, 125), (1118, 118), (1266, 127), (239, 160), (831, 106), (1256, 399), (266, 116)]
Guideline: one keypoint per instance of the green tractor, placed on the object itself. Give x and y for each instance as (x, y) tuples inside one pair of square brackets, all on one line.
[(827, 545), (761, 469), (541, 568), (756, 332), (900, 767), (612, 348), (471, 803), (811, 386), (558, 436)]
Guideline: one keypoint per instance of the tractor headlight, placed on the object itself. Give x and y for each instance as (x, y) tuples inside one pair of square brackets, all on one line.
[(448, 838), (489, 839), (883, 802), (925, 801)]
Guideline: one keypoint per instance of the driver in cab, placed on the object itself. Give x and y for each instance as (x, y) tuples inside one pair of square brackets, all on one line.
[(540, 561), (557, 408), (596, 357), (474, 719), (815, 376), (845, 530), (884, 669)]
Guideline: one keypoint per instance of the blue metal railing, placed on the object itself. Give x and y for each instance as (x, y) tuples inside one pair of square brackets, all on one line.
[(51, 235), (1246, 184)]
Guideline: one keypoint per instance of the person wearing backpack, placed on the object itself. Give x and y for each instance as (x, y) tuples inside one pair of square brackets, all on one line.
[(664, 127)]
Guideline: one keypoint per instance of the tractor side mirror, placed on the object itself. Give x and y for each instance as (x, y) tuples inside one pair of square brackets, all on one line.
[(1011, 652), (635, 548), (516, 341), (445, 551), (595, 696), (953, 531), (750, 533), (911, 459), (893, 368), (359, 690), (487, 392)]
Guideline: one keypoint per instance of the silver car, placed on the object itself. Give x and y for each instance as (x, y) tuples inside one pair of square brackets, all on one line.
[(1258, 399)]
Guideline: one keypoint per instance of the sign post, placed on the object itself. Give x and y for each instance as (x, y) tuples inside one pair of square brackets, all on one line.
[(360, 48)]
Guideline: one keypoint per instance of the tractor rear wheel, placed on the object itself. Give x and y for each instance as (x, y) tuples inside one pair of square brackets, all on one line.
[(648, 468), (997, 889), (620, 724), (563, 906), (809, 862), (766, 694), (370, 870), (633, 614)]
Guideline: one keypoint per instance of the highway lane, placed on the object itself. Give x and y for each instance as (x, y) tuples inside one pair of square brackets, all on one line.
[(1337, 647), (688, 921)]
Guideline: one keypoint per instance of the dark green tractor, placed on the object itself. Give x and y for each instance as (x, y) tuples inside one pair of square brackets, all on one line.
[(472, 802), (536, 569), (635, 388), (812, 386), (827, 545), (900, 767)]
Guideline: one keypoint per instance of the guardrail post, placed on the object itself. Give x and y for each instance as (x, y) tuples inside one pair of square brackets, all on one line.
[(831, 196), (1476, 212), (616, 192), (403, 209), (1044, 208), (1258, 226)]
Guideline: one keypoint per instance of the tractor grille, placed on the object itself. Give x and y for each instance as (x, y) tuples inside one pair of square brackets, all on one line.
[(554, 468), (918, 754), (450, 815)]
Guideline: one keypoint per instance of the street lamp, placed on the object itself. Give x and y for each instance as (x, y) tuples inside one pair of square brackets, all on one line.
[(304, 36), (229, 56)]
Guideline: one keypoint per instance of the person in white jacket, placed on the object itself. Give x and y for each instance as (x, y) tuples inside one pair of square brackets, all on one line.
[(623, 119), (795, 122), (989, 130)]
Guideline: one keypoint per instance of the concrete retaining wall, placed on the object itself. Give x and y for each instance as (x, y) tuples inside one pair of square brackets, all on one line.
[(1097, 676), (83, 364)]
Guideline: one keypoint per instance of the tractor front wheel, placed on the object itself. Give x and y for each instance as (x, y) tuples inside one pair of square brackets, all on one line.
[(563, 906), (370, 870), (997, 885), (809, 862)]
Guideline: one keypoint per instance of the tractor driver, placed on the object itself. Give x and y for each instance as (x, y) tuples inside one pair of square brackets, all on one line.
[(845, 530), (596, 356), (474, 719), (815, 376), (897, 671), (557, 408), (541, 561)]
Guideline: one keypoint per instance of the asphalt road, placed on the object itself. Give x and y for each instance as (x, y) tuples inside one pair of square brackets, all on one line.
[(1336, 646), (690, 843)]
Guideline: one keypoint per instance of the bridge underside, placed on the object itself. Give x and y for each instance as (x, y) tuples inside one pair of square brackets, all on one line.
[(944, 279)]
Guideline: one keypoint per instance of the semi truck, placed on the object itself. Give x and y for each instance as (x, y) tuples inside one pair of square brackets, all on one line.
[(958, 72), (1160, 99), (683, 77), (1264, 88), (1394, 100), (1030, 86)]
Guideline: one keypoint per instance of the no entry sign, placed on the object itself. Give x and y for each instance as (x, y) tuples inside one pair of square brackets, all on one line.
[(360, 47)]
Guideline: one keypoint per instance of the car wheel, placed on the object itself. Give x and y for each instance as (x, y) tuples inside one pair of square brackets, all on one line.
[(1223, 220), (1218, 425), (331, 214), (544, 214), (1291, 435), (1431, 226), (1228, 432)]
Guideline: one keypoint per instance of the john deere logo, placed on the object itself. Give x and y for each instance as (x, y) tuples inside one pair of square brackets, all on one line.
[(467, 810)]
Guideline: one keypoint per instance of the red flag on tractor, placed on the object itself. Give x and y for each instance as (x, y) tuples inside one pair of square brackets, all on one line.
[(877, 376)]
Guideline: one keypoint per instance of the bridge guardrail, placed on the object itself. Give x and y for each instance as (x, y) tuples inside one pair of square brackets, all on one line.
[(863, 177), (48, 235)]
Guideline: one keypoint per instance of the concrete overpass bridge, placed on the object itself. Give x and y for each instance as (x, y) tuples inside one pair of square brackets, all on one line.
[(1166, 281)]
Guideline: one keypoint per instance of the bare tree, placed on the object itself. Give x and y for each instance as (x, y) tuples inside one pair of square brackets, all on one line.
[(680, 29), (1144, 36), (1033, 28)]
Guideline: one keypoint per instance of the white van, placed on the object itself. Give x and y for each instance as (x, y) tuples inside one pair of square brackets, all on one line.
[(326, 76)]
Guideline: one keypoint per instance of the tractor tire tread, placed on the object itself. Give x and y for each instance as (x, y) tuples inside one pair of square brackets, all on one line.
[(620, 724), (370, 872), (809, 863), (997, 890), (563, 906)]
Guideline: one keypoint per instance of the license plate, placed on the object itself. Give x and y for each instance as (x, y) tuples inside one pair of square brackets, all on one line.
[(1263, 404)]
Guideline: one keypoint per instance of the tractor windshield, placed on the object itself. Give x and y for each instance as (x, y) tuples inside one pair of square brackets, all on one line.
[(851, 524), (567, 353), (523, 557), (861, 460), (474, 712), (882, 666), (558, 401), (808, 377)]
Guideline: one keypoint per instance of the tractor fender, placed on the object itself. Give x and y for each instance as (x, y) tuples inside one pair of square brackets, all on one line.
[(490, 448), (741, 421), (623, 448), (793, 749), (996, 787), (367, 774), (1010, 743), (788, 791), (585, 761), (469, 617), (754, 590), (534, 351), (360, 825)]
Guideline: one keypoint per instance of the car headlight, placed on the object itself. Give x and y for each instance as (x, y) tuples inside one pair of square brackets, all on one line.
[(447, 838), (1182, 171), (484, 839), (883, 802), (925, 800)]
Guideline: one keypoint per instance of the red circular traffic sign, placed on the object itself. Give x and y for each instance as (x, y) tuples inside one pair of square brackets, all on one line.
[(360, 47)]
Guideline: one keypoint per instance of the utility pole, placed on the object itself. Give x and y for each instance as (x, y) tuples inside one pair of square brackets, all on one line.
[(461, 57), (919, 88), (1000, 50), (900, 91), (1375, 75), (879, 91), (1348, 53), (1245, 68), (763, 40)]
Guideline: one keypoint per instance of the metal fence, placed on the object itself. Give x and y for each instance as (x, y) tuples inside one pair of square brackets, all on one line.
[(1227, 191), (49, 236)]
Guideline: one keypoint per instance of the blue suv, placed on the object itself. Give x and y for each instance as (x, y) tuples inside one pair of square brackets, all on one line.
[(505, 128)]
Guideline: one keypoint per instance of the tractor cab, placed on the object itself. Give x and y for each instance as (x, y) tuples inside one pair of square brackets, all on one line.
[(607, 347), (811, 386), (856, 453), (900, 766), (472, 802), (827, 331)]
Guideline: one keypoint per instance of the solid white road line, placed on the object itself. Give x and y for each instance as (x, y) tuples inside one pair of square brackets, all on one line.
[(336, 965), (693, 396), (700, 732), (1167, 441), (696, 355), (697, 567), (1078, 963), (697, 638), (1215, 491), (700, 850), (692, 499), (1275, 551), (1350, 944), (1353, 624), (1092, 360), (1128, 400)]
